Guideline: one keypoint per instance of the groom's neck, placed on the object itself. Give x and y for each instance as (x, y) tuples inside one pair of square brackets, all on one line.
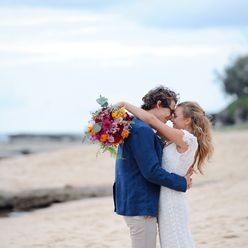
[(152, 111)]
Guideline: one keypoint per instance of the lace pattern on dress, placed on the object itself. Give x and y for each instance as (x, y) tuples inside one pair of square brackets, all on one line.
[(190, 140), (174, 228)]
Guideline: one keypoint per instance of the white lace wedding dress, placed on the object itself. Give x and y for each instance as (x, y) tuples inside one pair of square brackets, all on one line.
[(174, 230)]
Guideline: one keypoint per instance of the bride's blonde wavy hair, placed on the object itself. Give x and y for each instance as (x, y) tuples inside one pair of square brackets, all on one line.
[(202, 129)]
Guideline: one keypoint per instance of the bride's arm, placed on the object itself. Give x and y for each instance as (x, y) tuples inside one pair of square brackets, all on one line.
[(172, 134)]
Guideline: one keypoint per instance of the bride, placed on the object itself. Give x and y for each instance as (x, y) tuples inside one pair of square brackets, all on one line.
[(189, 144)]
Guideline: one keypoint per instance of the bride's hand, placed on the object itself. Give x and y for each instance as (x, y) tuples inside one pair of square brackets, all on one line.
[(119, 105)]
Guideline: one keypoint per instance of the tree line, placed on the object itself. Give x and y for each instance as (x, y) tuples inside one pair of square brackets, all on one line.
[(235, 83)]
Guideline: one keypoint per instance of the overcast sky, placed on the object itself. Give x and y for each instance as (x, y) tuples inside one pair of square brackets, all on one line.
[(57, 57)]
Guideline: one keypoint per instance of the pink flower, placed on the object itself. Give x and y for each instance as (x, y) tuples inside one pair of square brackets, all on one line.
[(106, 125), (111, 139)]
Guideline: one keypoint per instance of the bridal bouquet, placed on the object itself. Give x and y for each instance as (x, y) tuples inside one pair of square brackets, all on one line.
[(109, 126)]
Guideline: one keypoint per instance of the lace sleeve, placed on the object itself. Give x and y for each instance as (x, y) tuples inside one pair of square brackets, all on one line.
[(189, 139)]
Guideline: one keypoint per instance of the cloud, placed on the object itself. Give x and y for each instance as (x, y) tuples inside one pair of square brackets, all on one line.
[(178, 14), (74, 4), (190, 14), (38, 35), (56, 62), (100, 52)]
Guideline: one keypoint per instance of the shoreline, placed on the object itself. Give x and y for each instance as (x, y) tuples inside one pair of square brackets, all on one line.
[(18, 145)]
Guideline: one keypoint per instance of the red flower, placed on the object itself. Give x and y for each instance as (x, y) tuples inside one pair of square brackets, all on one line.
[(117, 138)]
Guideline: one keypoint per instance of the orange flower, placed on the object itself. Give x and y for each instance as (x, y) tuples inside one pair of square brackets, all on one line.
[(125, 134), (104, 137), (90, 129), (115, 115)]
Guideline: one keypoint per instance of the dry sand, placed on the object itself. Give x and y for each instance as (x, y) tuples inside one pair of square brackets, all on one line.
[(218, 200)]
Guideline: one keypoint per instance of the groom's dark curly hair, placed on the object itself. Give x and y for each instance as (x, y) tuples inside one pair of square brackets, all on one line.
[(160, 93)]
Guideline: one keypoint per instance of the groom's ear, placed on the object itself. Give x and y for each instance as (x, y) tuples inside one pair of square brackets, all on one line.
[(158, 105)]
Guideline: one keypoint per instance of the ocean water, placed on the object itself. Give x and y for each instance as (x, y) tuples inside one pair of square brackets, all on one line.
[(4, 138)]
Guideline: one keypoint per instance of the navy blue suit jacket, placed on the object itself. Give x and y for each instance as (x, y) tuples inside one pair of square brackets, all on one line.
[(138, 173)]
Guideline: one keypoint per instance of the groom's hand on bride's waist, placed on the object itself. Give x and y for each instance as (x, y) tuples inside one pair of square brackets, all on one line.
[(188, 178)]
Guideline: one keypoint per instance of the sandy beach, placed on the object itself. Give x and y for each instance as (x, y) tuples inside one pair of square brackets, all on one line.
[(218, 199)]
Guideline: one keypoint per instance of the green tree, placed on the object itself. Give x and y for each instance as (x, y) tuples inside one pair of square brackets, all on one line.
[(235, 83), (235, 78)]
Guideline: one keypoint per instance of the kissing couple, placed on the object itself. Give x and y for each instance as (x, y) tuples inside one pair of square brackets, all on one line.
[(156, 165)]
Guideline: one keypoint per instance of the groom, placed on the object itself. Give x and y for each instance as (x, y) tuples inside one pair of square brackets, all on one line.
[(139, 175)]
